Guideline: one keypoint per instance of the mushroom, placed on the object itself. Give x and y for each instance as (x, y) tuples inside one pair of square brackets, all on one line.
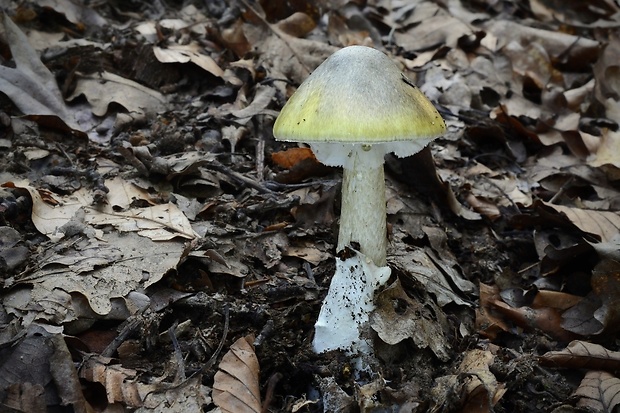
[(352, 110)]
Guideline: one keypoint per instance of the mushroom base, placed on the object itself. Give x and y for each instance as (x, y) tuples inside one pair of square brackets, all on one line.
[(343, 320)]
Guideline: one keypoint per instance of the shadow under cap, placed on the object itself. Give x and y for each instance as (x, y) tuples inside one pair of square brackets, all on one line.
[(358, 95)]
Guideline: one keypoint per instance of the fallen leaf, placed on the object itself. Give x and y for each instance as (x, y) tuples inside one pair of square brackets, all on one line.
[(582, 355), (291, 157), (123, 385), (31, 86), (604, 224), (99, 270), (177, 53), (436, 278), (398, 317), (599, 391), (473, 381), (103, 88), (235, 385)]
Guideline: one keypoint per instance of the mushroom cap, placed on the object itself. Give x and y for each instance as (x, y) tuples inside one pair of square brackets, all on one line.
[(358, 95)]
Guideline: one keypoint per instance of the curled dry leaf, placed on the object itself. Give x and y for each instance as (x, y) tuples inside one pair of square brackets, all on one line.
[(177, 53), (436, 275), (101, 89), (122, 386), (603, 224), (31, 86), (599, 311), (235, 386), (495, 315), (291, 157), (297, 24), (50, 212), (599, 391), (37, 370), (398, 317), (582, 355), (474, 381)]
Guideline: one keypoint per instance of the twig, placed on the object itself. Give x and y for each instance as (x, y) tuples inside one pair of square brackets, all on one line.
[(132, 324), (562, 190), (239, 178), (271, 387), (217, 351), (178, 355)]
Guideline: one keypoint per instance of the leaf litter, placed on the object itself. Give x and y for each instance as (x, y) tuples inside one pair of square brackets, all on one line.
[(147, 214)]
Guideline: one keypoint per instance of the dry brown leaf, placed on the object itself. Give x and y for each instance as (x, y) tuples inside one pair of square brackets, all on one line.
[(555, 299), (122, 386), (290, 157), (478, 387), (39, 360), (594, 13), (77, 13), (398, 317), (427, 26), (103, 88), (558, 45), (484, 207), (437, 276), (101, 271), (604, 224), (481, 388), (307, 253), (297, 24), (599, 391), (494, 313), (183, 53), (30, 85), (286, 56), (235, 387), (118, 381), (599, 311), (582, 355), (52, 213)]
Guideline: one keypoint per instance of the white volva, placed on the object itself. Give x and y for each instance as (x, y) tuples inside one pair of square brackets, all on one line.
[(343, 320)]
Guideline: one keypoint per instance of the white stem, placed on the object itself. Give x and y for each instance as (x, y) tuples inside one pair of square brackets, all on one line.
[(363, 211)]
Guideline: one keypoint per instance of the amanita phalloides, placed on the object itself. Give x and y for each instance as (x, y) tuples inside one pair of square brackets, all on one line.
[(352, 110)]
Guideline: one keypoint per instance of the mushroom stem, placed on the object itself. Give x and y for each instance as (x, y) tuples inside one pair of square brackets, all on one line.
[(363, 210)]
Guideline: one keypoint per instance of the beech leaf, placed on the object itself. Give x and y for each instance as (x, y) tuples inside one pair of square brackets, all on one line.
[(235, 386), (580, 354)]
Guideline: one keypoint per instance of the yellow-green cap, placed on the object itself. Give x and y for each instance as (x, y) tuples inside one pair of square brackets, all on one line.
[(357, 95)]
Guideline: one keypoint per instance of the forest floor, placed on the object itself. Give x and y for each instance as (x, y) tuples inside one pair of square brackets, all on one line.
[(160, 251)]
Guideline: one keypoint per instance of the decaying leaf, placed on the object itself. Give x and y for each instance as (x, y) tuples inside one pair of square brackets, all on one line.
[(101, 89), (177, 53), (123, 386), (599, 391), (478, 388), (599, 311), (51, 213), (398, 317), (582, 355), (75, 12), (37, 370), (437, 278), (235, 386), (603, 224), (31, 86), (286, 56), (495, 315), (99, 270)]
